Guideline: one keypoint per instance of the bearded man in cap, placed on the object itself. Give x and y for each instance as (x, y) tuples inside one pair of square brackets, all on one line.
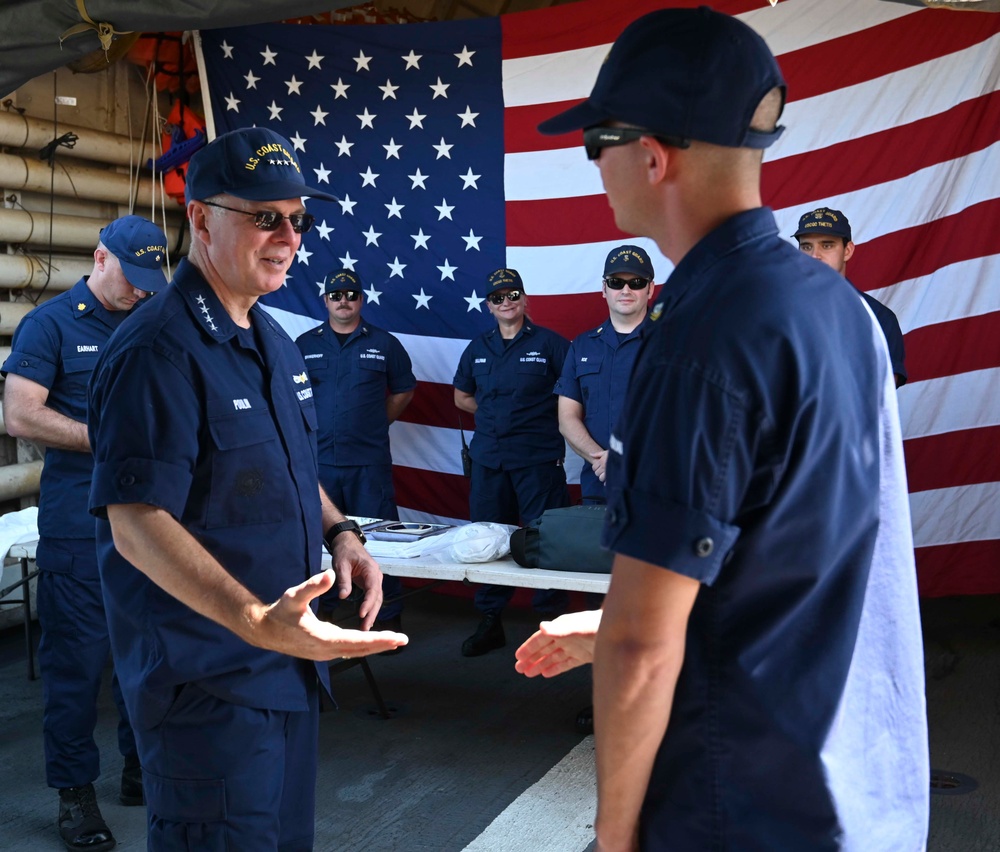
[(53, 353), (211, 521), (758, 671), (825, 234), (362, 381), (505, 377)]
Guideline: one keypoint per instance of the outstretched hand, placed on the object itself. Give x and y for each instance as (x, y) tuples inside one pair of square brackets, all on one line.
[(559, 645), (291, 627)]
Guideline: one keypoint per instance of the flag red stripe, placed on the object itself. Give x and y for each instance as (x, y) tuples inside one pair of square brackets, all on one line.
[(963, 457), (882, 157), (589, 23), (434, 405), (796, 181), (561, 221), (520, 128), (922, 249), (443, 494), (964, 568), (958, 346), (886, 48)]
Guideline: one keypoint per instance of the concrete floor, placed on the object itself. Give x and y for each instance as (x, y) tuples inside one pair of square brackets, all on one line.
[(477, 758)]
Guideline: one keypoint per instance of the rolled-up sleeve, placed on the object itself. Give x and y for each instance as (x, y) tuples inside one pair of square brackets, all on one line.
[(144, 422), (680, 465)]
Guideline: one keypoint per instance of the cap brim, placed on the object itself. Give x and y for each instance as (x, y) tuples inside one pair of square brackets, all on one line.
[(575, 118), (280, 191), (142, 277)]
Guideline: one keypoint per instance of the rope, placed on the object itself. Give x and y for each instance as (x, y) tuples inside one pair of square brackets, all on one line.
[(105, 31)]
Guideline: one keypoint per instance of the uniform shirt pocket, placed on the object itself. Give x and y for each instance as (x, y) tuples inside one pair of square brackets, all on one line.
[(250, 482), (588, 374)]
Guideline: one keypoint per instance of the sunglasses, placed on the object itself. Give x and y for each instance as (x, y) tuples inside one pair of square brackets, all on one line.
[(270, 220), (619, 283), (597, 138), (510, 295), (337, 295)]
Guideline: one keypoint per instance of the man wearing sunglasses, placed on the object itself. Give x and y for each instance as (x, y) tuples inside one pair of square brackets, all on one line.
[(211, 521), (505, 377), (595, 376), (362, 379), (759, 650)]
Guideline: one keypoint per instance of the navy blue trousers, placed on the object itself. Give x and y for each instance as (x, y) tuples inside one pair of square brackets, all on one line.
[(220, 776), (72, 654), (515, 497), (367, 491)]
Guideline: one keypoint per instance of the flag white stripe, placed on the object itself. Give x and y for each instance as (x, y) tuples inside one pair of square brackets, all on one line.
[(921, 197), (541, 175), (435, 359), (782, 27), (952, 292), (570, 74), (426, 447), (565, 173), (939, 190), (551, 77), (963, 401), (563, 270), (892, 100), (438, 448), (952, 515)]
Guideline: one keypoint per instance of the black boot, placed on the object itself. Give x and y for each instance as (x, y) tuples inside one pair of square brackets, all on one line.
[(81, 825), (488, 637), (131, 793)]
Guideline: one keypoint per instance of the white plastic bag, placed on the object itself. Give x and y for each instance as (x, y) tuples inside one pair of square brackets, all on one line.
[(482, 541), (479, 542)]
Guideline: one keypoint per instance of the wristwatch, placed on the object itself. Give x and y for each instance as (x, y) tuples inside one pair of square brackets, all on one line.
[(343, 526)]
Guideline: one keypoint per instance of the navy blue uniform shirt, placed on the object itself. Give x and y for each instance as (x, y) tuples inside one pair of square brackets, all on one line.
[(517, 421), (57, 345), (749, 461), (349, 388), (596, 375), (217, 426), (893, 335)]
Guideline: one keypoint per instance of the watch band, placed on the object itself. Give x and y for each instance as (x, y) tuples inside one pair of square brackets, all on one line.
[(338, 528)]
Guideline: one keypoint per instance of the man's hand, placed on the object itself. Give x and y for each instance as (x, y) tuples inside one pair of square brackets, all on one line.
[(352, 564), (600, 464), (559, 645), (291, 627)]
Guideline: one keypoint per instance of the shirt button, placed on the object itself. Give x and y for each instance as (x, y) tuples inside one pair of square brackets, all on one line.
[(127, 479), (704, 547)]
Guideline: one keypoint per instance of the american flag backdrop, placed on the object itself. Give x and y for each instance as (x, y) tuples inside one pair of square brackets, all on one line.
[(426, 132)]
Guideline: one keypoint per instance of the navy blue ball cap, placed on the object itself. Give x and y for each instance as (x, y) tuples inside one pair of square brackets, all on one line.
[(252, 163), (629, 259), (824, 220), (342, 279), (689, 73), (141, 248), (504, 279)]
